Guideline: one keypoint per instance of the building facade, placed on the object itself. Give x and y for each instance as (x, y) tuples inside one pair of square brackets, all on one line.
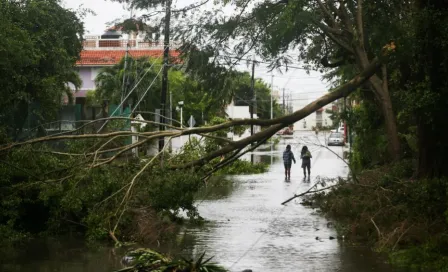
[(108, 50), (320, 119)]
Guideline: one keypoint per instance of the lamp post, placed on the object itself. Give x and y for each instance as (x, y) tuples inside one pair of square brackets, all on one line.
[(181, 105)]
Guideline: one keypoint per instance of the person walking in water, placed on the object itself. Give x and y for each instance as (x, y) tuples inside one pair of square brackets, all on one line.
[(305, 155), (288, 158)]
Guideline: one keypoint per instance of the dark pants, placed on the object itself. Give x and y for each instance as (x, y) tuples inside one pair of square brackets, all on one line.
[(306, 165), (287, 169)]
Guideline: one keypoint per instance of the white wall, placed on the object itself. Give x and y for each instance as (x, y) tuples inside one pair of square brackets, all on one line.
[(240, 112), (310, 120)]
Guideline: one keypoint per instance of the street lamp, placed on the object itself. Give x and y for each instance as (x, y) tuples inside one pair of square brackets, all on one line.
[(181, 105)]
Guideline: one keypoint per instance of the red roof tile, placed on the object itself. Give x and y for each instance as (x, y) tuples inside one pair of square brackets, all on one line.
[(112, 57)]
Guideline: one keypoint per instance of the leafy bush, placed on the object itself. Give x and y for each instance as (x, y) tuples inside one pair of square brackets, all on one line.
[(240, 167), (395, 214)]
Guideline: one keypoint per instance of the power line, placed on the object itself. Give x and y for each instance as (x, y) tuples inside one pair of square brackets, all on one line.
[(123, 100), (265, 62), (141, 98)]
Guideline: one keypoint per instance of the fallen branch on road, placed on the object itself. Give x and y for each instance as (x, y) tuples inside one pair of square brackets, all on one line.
[(309, 191)]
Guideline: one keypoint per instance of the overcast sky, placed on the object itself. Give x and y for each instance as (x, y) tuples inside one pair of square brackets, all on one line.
[(302, 87)]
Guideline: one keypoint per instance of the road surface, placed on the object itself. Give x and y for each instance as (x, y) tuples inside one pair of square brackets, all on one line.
[(250, 229)]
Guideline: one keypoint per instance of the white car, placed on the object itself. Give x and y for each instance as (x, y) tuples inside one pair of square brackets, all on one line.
[(336, 138), (339, 129)]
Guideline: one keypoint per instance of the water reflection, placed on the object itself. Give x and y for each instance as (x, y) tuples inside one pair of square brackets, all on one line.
[(64, 254)]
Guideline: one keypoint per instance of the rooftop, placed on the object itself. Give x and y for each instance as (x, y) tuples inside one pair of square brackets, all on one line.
[(135, 43), (112, 57), (105, 52)]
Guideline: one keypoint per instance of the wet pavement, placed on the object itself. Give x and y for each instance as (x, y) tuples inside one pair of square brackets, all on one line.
[(250, 229)]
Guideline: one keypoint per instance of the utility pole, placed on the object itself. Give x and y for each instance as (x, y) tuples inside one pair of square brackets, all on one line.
[(171, 108), (123, 84), (290, 102), (272, 93), (123, 87), (166, 52), (283, 101), (254, 97), (253, 104)]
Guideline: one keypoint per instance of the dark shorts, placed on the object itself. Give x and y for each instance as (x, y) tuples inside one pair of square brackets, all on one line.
[(287, 165)]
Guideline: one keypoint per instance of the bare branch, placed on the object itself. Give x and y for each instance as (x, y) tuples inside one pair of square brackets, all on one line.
[(380, 235), (216, 138), (306, 192), (132, 146)]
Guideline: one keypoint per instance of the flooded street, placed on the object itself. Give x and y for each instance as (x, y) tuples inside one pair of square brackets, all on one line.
[(250, 229), (246, 226)]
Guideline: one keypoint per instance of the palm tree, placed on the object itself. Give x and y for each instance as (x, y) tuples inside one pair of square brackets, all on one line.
[(142, 71)]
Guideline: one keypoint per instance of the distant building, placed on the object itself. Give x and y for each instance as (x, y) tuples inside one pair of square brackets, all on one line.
[(240, 112), (320, 118), (108, 49)]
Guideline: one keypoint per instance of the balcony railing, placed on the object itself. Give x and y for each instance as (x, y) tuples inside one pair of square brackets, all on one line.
[(96, 43)]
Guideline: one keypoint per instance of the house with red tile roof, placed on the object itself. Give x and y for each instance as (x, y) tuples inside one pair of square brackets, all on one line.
[(108, 49)]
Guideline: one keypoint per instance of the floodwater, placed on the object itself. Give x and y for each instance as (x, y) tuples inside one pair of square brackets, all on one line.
[(250, 229), (246, 228)]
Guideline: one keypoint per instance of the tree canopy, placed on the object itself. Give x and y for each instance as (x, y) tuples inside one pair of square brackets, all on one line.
[(40, 44)]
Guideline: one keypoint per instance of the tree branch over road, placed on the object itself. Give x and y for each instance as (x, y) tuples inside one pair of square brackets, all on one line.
[(274, 126)]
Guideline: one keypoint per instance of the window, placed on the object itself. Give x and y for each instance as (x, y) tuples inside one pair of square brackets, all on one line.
[(336, 135), (318, 118)]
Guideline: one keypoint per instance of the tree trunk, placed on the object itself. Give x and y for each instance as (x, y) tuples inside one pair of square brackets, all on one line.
[(432, 68), (380, 88), (382, 94), (432, 156)]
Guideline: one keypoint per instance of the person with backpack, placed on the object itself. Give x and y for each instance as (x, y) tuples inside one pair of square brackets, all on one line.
[(288, 158), (305, 155)]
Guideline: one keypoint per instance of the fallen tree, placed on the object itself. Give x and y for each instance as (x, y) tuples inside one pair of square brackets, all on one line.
[(274, 125), (92, 165)]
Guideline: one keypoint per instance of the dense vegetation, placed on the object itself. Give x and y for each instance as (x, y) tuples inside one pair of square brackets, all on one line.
[(48, 188), (40, 42)]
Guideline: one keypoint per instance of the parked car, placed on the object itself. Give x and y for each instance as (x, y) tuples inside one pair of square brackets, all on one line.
[(339, 129), (336, 138), (286, 131)]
